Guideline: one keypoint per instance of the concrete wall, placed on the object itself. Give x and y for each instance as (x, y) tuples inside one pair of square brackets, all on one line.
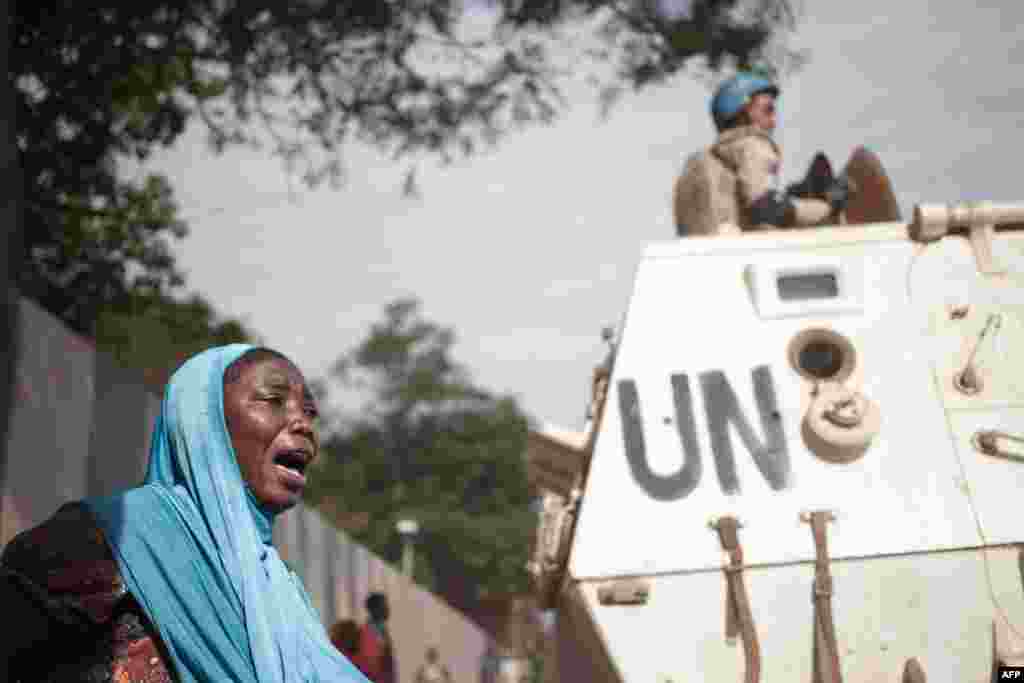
[(66, 439), (339, 574), (81, 426)]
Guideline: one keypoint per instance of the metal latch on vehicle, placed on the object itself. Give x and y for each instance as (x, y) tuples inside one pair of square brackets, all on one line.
[(968, 381)]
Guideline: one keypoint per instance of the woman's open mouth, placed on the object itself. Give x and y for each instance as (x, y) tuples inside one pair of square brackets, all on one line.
[(292, 466)]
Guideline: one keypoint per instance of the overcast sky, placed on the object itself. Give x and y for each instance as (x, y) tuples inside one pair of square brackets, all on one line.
[(528, 251)]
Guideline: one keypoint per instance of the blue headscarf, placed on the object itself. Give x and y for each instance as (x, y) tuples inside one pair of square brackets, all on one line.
[(194, 547)]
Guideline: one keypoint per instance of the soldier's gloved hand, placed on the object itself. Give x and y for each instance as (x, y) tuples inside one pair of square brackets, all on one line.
[(773, 208), (838, 193), (801, 189)]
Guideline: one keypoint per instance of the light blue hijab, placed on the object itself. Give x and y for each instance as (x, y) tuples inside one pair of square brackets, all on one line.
[(195, 549)]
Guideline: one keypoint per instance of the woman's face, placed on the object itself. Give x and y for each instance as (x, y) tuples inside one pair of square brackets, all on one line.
[(270, 415)]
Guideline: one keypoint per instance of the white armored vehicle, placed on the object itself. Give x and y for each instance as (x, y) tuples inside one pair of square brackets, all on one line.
[(805, 462)]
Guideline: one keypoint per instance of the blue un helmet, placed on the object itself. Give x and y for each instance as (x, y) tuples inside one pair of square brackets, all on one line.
[(735, 93)]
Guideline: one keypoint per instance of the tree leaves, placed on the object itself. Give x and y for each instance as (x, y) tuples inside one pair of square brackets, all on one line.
[(154, 333), (97, 82), (435, 447)]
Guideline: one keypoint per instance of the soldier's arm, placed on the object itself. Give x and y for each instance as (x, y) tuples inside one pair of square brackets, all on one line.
[(757, 173), (757, 167), (810, 212), (765, 204), (825, 209)]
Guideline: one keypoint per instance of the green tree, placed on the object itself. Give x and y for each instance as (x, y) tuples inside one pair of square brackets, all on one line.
[(97, 82), (154, 333), (111, 275), (430, 445), (105, 254)]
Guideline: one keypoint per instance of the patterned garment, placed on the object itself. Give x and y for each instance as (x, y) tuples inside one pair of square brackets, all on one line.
[(76, 622)]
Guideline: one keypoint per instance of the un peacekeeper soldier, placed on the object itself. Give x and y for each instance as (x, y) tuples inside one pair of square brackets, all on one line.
[(733, 185)]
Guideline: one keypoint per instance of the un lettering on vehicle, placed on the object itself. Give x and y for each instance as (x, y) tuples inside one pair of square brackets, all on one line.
[(723, 414)]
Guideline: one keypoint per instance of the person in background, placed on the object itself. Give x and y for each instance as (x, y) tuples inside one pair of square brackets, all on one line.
[(376, 656), (432, 670), (345, 637)]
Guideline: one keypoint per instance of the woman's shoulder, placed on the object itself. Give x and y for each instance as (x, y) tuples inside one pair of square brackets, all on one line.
[(67, 558)]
